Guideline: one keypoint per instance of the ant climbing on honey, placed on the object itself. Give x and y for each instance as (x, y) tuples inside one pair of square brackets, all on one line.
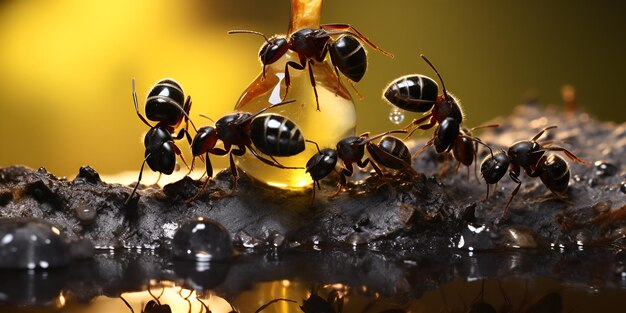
[(272, 134), (347, 54), (167, 106), (530, 155)]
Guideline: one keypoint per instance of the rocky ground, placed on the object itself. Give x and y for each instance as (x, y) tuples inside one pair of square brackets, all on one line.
[(397, 212), (398, 231)]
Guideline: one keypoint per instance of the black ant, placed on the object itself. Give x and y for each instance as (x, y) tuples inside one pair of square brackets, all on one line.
[(346, 53), (390, 152), (272, 134), (418, 93), (464, 147), (530, 155), (164, 105)]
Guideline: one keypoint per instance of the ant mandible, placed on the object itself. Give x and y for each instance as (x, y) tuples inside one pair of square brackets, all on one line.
[(311, 45), (390, 152), (272, 134), (530, 155), (164, 105)]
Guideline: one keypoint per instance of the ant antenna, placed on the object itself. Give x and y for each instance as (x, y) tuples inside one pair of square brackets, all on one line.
[(207, 117), (313, 142), (437, 72), (245, 31)]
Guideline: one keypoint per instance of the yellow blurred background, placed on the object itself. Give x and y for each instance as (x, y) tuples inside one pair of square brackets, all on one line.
[(66, 66)]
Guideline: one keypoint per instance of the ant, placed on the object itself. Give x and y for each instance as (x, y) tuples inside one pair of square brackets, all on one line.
[(272, 134), (419, 93), (165, 106), (530, 155), (390, 152), (464, 146), (311, 45)]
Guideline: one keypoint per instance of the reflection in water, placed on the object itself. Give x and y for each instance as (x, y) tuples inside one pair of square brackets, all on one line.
[(522, 295), (327, 281)]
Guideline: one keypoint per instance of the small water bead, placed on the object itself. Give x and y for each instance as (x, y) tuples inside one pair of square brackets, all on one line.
[(605, 169), (396, 115), (203, 240), (31, 243), (85, 213)]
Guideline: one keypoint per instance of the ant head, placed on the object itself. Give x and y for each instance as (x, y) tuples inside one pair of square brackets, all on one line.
[(273, 49)]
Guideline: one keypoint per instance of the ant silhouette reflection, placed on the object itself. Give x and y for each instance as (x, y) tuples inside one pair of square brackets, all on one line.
[(155, 305)]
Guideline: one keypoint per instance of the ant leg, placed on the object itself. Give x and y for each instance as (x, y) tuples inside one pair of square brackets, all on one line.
[(348, 29), (127, 304), (342, 180), (338, 80), (269, 162), (156, 183), (315, 184), (263, 307), (428, 144), (203, 305), (233, 169), (138, 180), (487, 195), (193, 160), (312, 78), (209, 173), (514, 177), (143, 119), (568, 154), (288, 78), (418, 121), (180, 154)]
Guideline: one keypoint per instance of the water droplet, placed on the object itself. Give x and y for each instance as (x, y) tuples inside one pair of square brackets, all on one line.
[(85, 213), (396, 115), (202, 239), (605, 169), (31, 243), (520, 237), (623, 186), (357, 239)]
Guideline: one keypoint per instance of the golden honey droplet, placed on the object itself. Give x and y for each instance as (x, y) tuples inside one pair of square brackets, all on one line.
[(335, 120)]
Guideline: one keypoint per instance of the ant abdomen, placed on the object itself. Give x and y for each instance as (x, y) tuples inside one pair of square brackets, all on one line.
[(414, 93), (276, 135), (348, 55), (555, 173)]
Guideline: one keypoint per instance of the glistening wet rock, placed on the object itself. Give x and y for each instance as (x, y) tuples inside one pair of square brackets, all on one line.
[(395, 212)]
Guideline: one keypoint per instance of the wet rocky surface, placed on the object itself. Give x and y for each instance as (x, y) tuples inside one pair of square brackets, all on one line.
[(428, 211), (397, 235)]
